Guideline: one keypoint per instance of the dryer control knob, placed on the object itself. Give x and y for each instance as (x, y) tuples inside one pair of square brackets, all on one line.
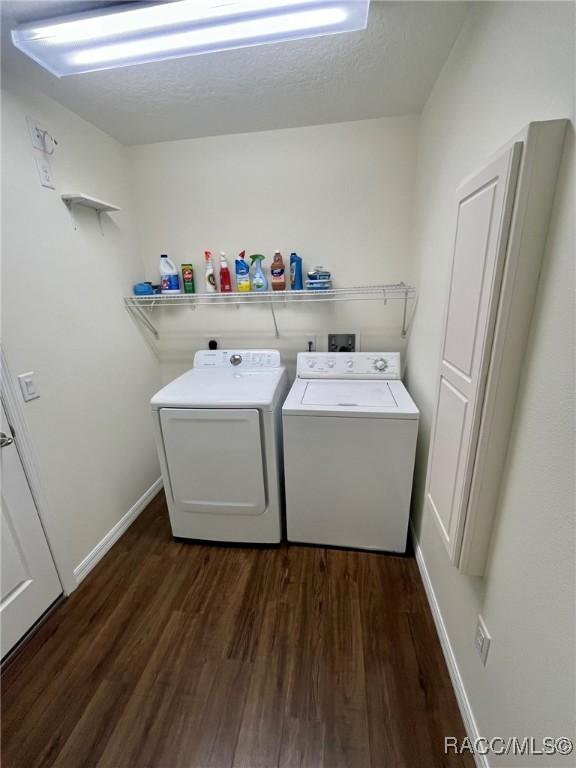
[(380, 364), (350, 363), (331, 363), (235, 359), (311, 362)]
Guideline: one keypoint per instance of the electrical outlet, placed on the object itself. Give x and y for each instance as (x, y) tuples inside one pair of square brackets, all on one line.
[(37, 134), (341, 342), (482, 640), (45, 173)]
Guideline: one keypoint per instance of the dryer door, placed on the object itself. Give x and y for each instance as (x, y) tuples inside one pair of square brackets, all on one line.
[(215, 460)]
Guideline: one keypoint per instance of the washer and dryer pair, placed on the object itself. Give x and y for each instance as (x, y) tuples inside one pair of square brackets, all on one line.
[(342, 443)]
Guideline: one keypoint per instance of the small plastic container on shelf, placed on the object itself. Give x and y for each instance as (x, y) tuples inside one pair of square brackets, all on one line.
[(319, 279), (318, 285), (143, 289)]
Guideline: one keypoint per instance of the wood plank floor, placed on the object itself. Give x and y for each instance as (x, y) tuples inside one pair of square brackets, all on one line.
[(176, 655)]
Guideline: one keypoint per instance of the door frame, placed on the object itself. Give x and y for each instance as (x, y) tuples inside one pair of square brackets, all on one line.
[(11, 397)]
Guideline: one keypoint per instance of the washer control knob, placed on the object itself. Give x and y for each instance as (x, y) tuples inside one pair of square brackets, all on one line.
[(380, 364), (331, 363), (350, 363), (235, 359), (311, 362)]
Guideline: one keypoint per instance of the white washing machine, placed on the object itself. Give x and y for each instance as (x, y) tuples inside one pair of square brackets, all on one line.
[(218, 431), (350, 431)]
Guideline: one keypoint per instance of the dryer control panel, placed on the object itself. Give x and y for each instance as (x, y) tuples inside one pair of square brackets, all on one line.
[(349, 365), (239, 359)]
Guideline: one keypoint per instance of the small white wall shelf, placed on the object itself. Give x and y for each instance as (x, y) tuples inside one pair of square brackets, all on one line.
[(383, 293), (71, 199)]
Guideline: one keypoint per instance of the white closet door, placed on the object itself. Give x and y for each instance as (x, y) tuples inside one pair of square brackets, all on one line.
[(484, 210)]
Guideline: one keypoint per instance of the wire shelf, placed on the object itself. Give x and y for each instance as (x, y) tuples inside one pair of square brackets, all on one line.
[(360, 293), (382, 293)]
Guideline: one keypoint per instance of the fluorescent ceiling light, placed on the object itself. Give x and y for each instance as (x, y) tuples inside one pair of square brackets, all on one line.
[(222, 34), (168, 30)]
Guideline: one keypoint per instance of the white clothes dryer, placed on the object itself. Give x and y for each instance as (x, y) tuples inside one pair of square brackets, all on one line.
[(218, 430)]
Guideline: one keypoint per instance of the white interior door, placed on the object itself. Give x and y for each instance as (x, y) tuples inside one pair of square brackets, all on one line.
[(30, 583), (484, 210)]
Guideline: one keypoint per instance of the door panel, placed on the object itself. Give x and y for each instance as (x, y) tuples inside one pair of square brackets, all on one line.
[(14, 571), (30, 583), (451, 421), (215, 460), (472, 243), (484, 209)]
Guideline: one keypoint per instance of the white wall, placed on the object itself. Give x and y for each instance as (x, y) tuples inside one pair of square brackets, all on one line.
[(63, 318), (340, 195), (512, 63)]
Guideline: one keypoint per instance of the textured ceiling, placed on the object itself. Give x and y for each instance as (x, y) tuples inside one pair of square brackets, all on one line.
[(389, 69)]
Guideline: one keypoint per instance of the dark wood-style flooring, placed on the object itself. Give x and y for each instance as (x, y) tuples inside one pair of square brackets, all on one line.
[(177, 655)]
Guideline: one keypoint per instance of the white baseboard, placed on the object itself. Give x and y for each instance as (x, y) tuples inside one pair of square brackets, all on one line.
[(92, 558), (455, 676)]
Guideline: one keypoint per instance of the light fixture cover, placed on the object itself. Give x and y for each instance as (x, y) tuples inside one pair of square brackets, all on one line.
[(140, 32)]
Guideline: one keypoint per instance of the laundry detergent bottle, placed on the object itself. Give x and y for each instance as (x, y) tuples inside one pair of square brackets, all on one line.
[(277, 273), (296, 272), (259, 279), (242, 269), (169, 279)]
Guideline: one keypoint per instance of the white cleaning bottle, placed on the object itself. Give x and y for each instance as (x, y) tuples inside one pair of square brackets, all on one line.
[(169, 275), (210, 276)]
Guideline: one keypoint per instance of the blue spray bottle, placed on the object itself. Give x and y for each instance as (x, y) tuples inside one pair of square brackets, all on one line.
[(296, 283), (259, 279), (242, 274)]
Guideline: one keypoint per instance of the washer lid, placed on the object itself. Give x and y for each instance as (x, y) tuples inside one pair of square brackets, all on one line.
[(349, 394), (222, 388), (350, 398)]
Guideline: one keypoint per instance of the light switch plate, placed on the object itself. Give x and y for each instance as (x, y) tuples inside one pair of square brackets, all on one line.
[(482, 640), (28, 386)]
